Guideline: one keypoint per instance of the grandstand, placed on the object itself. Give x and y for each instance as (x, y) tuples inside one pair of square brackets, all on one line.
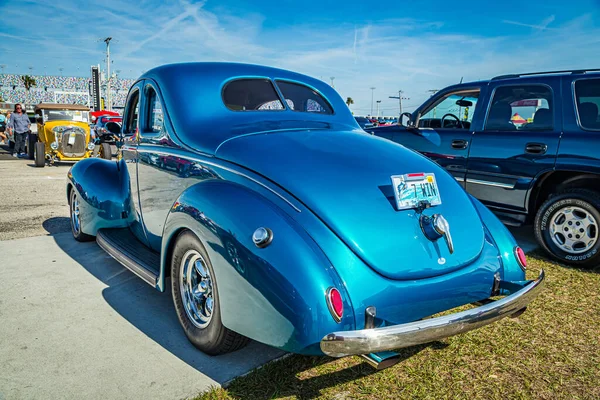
[(58, 89)]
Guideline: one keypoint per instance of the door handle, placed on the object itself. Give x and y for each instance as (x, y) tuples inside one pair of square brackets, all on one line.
[(459, 144), (536, 148)]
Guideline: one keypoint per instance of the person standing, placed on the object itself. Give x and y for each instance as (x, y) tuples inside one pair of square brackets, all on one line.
[(2, 129), (19, 126)]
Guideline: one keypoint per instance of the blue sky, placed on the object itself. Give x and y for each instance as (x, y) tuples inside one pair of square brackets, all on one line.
[(390, 45)]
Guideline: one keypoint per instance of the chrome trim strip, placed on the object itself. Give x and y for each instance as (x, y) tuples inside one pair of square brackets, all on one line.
[(124, 260), (226, 169), (459, 179), (365, 341), (488, 183)]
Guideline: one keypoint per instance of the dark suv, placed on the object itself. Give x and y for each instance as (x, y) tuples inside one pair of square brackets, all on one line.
[(527, 146)]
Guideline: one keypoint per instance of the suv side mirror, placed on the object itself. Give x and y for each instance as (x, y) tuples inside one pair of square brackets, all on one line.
[(408, 119)]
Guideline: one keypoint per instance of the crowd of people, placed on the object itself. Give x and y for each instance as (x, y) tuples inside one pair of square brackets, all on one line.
[(58, 89)]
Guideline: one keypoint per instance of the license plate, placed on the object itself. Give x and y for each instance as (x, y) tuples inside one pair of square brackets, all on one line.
[(72, 138), (411, 189)]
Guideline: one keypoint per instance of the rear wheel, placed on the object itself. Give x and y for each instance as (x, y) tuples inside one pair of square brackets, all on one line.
[(196, 298), (106, 151), (39, 154), (567, 226), (74, 206)]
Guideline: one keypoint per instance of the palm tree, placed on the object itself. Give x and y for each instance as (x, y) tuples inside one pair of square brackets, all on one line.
[(28, 81), (349, 101)]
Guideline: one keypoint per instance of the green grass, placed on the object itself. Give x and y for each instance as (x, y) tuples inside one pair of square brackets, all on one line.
[(552, 351)]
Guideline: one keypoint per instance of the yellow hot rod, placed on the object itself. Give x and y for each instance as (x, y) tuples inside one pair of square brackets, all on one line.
[(63, 134)]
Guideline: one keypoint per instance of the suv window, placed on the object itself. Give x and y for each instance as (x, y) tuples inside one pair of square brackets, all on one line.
[(133, 111), (455, 109), (302, 98), (587, 96), (251, 95), (521, 107), (155, 111)]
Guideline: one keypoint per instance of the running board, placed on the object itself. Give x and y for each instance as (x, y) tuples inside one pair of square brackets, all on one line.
[(124, 247)]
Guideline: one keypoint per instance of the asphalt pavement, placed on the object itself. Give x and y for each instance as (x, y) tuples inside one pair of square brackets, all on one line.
[(75, 324)]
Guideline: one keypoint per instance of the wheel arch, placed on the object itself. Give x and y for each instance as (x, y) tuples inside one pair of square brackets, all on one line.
[(282, 285), (103, 186), (557, 181)]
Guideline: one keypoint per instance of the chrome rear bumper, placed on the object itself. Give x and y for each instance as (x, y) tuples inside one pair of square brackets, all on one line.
[(364, 341)]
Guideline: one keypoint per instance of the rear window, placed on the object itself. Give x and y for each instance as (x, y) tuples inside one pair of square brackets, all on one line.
[(251, 95), (587, 96), (302, 98)]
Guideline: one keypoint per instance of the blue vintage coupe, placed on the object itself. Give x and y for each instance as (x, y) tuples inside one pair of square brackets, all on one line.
[(278, 219)]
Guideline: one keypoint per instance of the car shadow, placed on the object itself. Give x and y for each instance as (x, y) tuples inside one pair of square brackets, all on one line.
[(152, 313), (56, 225), (295, 377)]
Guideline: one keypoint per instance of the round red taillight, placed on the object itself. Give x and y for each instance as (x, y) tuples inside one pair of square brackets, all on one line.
[(335, 303), (520, 254)]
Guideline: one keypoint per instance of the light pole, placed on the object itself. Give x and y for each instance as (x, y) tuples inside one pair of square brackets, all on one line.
[(372, 91), (332, 78), (400, 98), (108, 102), (61, 70), (378, 102), (2, 66)]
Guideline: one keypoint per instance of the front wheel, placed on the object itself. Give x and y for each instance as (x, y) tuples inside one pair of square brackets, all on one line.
[(106, 151), (40, 154), (567, 226), (74, 206), (196, 298)]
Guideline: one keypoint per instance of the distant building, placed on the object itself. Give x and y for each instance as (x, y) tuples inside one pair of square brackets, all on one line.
[(58, 89)]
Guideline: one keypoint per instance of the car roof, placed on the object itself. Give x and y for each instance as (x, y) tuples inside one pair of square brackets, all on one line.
[(192, 95), (58, 106)]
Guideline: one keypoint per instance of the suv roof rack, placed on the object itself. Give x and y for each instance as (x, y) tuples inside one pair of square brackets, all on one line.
[(572, 71)]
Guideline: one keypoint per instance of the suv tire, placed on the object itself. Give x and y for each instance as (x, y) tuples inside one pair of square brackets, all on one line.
[(571, 217), (203, 329)]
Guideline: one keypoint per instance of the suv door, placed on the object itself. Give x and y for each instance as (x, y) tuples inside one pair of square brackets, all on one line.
[(129, 131), (518, 142), (444, 129)]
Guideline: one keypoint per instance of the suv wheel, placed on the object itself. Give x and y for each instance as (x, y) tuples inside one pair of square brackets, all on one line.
[(567, 226)]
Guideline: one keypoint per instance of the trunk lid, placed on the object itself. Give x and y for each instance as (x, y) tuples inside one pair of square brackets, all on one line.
[(345, 179)]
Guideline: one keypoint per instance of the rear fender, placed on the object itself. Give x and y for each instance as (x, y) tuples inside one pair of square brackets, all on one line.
[(103, 186), (275, 294)]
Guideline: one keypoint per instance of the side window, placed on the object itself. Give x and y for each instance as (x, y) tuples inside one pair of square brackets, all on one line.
[(587, 96), (453, 111), (302, 98), (154, 122), (521, 107), (133, 111), (251, 95)]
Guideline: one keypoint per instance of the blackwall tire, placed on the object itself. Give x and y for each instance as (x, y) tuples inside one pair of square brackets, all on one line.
[(567, 227), (76, 218), (106, 151), (203, 329), (40, 154), (31, 141)]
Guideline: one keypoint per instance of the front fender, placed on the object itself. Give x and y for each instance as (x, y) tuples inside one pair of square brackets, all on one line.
[(104, 187), (504, 240), (275, 295)]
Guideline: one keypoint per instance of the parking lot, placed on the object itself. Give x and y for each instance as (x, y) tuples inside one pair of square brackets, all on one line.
[(75, 323)]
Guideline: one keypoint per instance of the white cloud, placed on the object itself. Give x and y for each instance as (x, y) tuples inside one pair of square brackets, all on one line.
[(409, 54)]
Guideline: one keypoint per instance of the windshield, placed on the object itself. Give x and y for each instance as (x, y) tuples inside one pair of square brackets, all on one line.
[(65, 115), (456, 110)]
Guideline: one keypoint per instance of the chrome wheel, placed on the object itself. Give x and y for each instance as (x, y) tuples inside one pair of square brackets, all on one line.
[(75, 213), (195, 283), (574, 230)]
